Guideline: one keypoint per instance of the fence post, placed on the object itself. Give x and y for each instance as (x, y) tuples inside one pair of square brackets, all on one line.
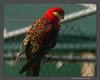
[(88, 68)]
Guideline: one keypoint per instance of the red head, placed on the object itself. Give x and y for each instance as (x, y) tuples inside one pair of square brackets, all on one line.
[(54, 14)]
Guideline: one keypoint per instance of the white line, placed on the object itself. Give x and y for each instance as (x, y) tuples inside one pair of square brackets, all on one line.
[(16, 32), (66, 18), (79, 14), (68, 57), (88, 5)]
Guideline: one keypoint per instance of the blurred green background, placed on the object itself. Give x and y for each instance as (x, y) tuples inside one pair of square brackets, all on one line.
[(75, 37)]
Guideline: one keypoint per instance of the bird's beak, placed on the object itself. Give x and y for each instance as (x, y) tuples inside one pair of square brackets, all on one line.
[(60, 16)]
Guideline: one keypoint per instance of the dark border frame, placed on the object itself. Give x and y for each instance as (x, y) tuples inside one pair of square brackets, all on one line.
[(46, 1)]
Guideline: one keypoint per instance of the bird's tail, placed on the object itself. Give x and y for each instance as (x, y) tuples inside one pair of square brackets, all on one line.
[(31, 68)]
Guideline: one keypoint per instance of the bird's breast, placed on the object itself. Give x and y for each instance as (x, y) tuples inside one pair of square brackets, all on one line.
[(47, 38)]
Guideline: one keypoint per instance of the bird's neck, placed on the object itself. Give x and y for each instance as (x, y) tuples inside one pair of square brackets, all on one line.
[(54, 21)]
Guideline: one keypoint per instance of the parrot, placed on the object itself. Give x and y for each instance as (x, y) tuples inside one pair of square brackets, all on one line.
[(39, 39)]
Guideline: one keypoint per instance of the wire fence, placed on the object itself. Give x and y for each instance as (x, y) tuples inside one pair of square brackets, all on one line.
[(75, 52)]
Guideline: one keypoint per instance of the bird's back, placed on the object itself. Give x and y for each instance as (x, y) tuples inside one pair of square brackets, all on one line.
[(43, 32)]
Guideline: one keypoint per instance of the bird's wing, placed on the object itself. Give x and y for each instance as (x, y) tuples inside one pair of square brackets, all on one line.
[(30, 35), (22, 48)]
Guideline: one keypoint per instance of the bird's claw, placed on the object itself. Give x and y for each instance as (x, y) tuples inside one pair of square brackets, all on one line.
[(46, 59)]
